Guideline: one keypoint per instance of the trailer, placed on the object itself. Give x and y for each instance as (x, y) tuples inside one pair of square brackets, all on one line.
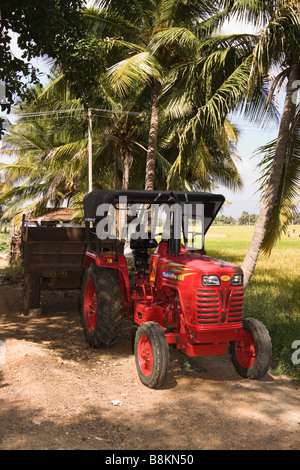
[(52, 259)]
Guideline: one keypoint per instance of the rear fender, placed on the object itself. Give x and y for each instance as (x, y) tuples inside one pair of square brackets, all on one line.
[(111, 261)]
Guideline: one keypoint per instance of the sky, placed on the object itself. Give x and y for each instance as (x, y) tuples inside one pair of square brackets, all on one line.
[(251, 137)]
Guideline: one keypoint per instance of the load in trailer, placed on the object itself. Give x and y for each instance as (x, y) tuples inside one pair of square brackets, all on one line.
[(176, 294)]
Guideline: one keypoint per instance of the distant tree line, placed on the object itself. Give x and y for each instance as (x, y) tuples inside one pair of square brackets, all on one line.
[(244, 219), (248, 219)]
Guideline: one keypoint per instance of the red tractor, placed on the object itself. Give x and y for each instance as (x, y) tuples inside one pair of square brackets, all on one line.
[(175, 293)]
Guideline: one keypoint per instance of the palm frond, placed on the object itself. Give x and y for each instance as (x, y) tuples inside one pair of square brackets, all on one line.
[(289, 189), (251, 11), (281, 34), (139, 68), (176, 36), (277, 82), (229, 95), (109, 23)]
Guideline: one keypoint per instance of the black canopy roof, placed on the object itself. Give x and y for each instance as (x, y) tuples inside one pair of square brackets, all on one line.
[(212, 202)]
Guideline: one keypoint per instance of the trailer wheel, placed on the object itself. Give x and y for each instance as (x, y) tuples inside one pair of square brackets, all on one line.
[(151, 354), (251, 356), (101, 306)]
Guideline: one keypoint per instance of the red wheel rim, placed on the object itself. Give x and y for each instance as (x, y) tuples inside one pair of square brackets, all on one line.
[(90, 305), (145, 355), (245, 351)]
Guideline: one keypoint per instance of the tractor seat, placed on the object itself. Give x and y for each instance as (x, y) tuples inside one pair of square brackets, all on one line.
[(141, 244)]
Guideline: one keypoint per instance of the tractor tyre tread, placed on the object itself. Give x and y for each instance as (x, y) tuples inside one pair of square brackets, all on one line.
[(109, 300), (161, 357), (263, 350)]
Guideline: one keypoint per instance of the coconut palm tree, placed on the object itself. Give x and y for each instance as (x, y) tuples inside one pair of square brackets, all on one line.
[(48, 149), (156, 35), (119, 126), (162, 58), (278, 45), (46, 167), (48, 153), (113, 19)]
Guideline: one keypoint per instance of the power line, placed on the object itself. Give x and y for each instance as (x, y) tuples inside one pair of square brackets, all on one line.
[(246, 125), (132, 113), (74, 110), (30, 119), (46, 113)]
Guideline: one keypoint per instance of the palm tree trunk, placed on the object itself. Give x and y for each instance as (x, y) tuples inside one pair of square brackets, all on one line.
[(152, 141), (125, 180), (126, 162), (270, 197), (117, 182)]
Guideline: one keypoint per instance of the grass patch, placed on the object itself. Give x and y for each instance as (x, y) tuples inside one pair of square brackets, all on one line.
[(13, 271), (3, 247), (273, 295), (4, 242), (189, 364)]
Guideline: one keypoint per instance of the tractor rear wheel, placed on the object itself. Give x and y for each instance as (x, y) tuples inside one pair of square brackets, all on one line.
[(101, 306), (251, 356), (151, 351)]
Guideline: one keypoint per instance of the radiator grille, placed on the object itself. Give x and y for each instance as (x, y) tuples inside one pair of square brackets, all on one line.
[(208, 307), (219, 307), (235, 310)]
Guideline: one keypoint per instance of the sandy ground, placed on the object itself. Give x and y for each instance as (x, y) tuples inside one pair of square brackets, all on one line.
[(57, 393), (3, 263)]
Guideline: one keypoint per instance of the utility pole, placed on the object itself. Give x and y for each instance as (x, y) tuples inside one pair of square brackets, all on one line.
[(90, 160)]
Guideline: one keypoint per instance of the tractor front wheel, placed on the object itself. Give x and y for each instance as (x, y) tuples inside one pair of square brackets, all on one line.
[(251, 355), (101, 306), (151, 351)]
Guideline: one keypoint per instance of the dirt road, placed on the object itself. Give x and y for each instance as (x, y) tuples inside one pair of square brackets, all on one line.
[(57, 393)]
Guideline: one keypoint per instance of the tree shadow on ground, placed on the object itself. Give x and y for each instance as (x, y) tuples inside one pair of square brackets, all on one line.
[(188, 421), (65, 401)]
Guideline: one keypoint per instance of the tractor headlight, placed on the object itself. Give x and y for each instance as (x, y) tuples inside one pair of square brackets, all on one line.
[(236, 280), (210, 281)]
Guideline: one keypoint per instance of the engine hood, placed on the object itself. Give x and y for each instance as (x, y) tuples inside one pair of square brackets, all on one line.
[(194, 266), (200, 263)]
